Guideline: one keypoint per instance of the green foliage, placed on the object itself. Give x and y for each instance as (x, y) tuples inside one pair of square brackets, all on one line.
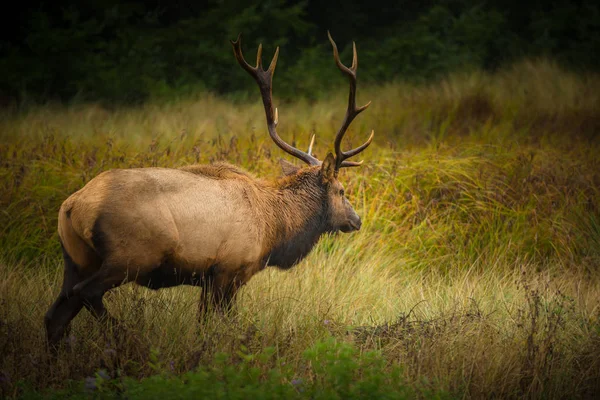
[(137, 51), (334, 370), (122, 53), (341, 373), (436, 43)]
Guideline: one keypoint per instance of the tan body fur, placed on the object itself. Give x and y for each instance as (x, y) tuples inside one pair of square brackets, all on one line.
[(168, 211)]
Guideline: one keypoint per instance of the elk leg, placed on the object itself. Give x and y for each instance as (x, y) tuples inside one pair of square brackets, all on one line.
[(99, 283), (96, 307), (65, 308), (205, 300), (216, 297), (225, 289), (63, 312), (219, 289), (92, 289), (224, 298)]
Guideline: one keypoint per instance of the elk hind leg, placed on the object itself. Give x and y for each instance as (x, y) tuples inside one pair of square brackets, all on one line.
[(95, 306), (63, 312), (112, 330), (65, 307), (92, 290)]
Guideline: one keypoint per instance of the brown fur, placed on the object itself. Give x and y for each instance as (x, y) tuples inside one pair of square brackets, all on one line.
[(218, 170), (214, 226)]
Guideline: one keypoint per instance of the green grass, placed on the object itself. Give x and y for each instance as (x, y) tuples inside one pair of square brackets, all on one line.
[(475, 274)]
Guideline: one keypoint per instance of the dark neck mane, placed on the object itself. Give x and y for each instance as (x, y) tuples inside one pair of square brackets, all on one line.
[(298, 217)]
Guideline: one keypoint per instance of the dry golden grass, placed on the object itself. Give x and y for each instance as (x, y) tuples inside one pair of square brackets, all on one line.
[(476, 270), (469, 332)]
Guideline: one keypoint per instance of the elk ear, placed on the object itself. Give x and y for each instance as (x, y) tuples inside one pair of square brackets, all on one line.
[(288, 168), (328, 171)]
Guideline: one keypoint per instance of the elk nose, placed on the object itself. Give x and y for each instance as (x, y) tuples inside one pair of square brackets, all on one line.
[(356, 223)]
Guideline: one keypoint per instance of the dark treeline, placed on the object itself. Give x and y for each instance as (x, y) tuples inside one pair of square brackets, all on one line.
[(123, 52)]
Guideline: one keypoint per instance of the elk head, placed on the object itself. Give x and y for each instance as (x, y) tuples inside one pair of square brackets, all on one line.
[(341, 216)]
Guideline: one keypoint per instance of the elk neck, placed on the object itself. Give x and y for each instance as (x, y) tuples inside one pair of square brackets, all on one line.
[(298, 215)]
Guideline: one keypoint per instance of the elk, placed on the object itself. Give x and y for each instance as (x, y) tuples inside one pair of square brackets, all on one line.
[(212, 226)]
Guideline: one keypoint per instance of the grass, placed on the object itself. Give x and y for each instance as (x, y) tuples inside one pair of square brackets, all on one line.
[(475, 274)]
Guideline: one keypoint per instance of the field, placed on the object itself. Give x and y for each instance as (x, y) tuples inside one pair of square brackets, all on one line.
[(476, 273)]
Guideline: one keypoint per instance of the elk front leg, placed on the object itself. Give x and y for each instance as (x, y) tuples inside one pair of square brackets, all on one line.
[(216, 298), (218, 293)]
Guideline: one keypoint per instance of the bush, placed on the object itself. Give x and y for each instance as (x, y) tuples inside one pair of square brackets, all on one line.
[(333, 370)]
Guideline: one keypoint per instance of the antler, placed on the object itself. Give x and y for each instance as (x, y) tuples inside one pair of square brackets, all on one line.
[(351, 112), (265, 81)]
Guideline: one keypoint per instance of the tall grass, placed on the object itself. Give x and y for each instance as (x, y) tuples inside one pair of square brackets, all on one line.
[(476, 271)]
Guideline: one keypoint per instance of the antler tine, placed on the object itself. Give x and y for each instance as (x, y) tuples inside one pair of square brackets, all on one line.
[(310, 146), (258, 56), (265, 81), (351, 112)]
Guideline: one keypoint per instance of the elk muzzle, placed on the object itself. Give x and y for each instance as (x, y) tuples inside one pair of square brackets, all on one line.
[(353, 222)]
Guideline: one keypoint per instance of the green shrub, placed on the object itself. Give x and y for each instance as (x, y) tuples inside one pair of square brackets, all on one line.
[(333, 370)]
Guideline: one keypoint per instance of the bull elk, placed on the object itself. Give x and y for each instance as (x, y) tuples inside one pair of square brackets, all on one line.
[(213, 226)]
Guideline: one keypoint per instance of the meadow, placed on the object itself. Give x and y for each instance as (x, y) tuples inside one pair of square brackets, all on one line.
[(476, 273)]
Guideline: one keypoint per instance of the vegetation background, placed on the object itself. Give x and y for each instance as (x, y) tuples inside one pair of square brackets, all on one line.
[(115, 51), (476, 272)]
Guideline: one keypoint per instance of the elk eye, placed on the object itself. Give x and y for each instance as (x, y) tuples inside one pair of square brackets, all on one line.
[(341, 192)]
